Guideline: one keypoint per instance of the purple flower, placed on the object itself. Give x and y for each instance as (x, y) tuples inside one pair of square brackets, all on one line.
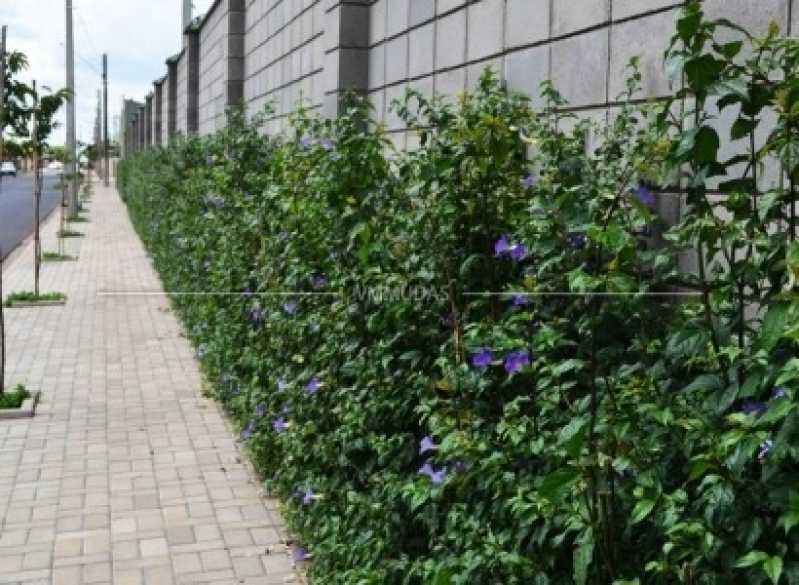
[(645, 195), (778, 392), (460, 466), (291, 308), (260, 410), (327, 144), (576, 240), (482, 359), (280, 425), (528, 182), (502, 246), (437, 477), (518, 252), (312, 387), (319, 281), (308, 497), (283, 236), (516, 360), (520, 300), (301, 554), (426, 445), (248, 431), (257, 315), (765, 449), (306, 142), (754, 408)]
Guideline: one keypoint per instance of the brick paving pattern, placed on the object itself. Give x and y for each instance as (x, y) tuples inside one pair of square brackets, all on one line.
[(126, 475)]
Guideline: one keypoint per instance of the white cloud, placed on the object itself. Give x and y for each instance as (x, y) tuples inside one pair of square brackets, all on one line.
[(138, 36)]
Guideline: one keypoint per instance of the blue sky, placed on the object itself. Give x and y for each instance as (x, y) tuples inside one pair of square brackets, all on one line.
[(138, 36)]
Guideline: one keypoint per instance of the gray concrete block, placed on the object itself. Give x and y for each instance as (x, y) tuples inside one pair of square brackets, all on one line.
[(421, 10), (422, 45), (486, 25), (447, 5), (753, 16), (794, 24), (629, 8), (569, 16), (397, 59), (397, 18), (527, 22), (451, 40), (643, 38), (377, 21), (579, 67), (525, 70), (450, 83), (377, 66)]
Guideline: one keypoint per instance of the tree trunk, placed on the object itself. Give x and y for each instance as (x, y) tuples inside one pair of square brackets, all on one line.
[(37, 196), (2, 332)]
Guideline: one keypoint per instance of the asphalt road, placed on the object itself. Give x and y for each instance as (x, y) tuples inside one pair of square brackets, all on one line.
[(16, 207)]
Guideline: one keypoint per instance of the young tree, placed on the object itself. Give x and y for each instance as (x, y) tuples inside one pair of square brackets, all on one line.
[(43, 123), (14, 115)]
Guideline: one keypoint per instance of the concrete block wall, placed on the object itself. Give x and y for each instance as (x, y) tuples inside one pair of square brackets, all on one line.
[(182, 97), (312, 51), (284, 56), (221, 64), (162, 91)]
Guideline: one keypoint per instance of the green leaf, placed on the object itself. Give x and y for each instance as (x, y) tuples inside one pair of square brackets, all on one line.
[(752, 558), (773, 568), (704, 383), (702, 72), (642, 510), (583, 557), (443, 577), (707, 145), (555, 485), (742, 127)]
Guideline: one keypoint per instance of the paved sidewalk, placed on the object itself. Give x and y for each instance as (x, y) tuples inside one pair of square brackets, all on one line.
[(126, 475)]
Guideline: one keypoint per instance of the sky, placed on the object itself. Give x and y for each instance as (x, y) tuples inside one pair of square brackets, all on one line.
[(138, 36)]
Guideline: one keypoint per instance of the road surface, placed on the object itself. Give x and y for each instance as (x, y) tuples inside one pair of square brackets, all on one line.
[(16, 207)]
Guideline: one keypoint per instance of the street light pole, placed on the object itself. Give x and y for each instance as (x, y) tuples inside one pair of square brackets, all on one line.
[(72, 158), (105, 120), (2, 90)]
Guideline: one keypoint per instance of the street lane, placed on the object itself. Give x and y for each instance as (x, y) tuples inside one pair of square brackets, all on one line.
[(16, 207)]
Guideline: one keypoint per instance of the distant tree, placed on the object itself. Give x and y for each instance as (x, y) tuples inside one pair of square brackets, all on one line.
[(58, 153)]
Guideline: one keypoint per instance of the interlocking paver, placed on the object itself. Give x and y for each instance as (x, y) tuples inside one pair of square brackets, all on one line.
[(126, 475)]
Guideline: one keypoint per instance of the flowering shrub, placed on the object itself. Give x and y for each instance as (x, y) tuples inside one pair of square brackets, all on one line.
[(576, 391)]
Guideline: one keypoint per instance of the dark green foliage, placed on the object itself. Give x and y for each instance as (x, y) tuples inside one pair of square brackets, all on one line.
[(14, 398), (599, 411), (26, 297)]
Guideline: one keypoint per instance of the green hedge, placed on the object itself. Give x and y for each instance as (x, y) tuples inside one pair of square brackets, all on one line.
[(467, 364)]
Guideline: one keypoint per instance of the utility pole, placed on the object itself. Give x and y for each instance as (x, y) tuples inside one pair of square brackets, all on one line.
[(105, 120), (2, 89), (72, 158)]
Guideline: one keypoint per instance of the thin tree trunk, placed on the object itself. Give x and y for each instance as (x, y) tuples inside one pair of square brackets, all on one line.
[(2, 332), (37, 196)]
